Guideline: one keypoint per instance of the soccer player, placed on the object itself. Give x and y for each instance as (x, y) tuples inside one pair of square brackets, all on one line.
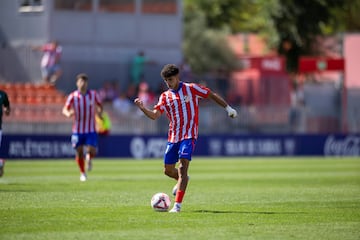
[(181, 104), (50, 61), (83, 104), (4, 107)]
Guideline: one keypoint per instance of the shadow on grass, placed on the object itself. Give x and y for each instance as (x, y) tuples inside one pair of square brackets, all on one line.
[(244, 212), (15, 190), (16, 187)]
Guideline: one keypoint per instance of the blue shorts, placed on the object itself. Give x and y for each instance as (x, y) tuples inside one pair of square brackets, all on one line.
[(79, 139), (48, 71), (182, 149)]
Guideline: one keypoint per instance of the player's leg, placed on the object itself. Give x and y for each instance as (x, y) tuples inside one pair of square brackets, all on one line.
[(45, 74), (90, 154), (183, 174), (80, 159), (170, 160), (2, 166), (182, 184), (2, 161), (77, 141), (56, 73), (185, 149), (185, 152), (171, 171), (91, 142)]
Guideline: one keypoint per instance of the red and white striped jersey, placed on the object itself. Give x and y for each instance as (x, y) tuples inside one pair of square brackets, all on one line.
[(51, 55), (84, 108), (182, 110)]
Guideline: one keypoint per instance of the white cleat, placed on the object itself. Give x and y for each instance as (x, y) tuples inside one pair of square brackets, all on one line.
[(176, 208), (83, 177)]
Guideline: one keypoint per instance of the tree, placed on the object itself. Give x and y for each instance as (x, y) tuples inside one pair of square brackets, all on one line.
[(345, 18), (205, 49), (208, 22), (291, 26), (299, 22)]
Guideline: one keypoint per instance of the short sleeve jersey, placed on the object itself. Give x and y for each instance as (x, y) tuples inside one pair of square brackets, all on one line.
[(50, 55), (4, 102), (85, 108), (182, 110)]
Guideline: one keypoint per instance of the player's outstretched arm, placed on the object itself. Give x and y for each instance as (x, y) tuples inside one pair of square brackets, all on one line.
[(36, 48), (152, 114), (220, 101)]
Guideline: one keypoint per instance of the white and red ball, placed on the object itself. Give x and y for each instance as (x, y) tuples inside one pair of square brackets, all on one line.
[(160, 202)]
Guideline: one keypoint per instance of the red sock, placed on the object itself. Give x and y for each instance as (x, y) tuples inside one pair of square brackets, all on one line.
[(81, 164), (179, 196)]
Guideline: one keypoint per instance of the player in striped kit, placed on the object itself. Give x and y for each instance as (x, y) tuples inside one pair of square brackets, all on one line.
[(4, 108), (83, 105), (181, 104), (50, 61)]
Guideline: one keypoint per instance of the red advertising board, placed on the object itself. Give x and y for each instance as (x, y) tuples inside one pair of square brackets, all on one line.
[(264, 64), (315, 64), (262, 81)]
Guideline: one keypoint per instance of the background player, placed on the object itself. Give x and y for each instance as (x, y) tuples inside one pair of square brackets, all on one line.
[(83, 104), (50, 61), (181, 103), (4, 108)]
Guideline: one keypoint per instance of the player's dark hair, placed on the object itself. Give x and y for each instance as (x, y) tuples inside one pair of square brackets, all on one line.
[(82, 76), (169, 70)]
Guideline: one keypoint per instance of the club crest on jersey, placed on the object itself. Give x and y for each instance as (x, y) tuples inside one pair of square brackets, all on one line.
[(186, 99)]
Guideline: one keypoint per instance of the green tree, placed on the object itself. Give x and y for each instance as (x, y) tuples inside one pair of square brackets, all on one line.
[(291, 26), (205, 49), (298, 23), (208, 22), (345, 18)]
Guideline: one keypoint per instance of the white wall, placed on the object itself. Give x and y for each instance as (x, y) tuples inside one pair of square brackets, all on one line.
[(92, 41), (352, 60)]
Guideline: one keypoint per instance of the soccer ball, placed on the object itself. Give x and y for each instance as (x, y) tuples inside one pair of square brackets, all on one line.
[(160, 202)]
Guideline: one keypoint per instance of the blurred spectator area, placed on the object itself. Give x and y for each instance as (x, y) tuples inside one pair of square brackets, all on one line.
[(254, 87), (36, 109), (124, 6), (33, 103)]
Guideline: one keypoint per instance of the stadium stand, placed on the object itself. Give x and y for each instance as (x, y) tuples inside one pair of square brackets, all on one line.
[(36, 109), (34, 103)]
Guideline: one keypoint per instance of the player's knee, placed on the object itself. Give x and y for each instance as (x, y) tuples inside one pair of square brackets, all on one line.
[(171, 172), (80, 154), (92, 153), (167, 172), (182, 172)]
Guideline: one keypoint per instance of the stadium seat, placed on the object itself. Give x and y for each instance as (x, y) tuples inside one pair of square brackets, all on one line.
[(34, 102)]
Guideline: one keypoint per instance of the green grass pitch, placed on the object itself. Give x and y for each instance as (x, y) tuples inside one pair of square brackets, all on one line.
[(227, 198)]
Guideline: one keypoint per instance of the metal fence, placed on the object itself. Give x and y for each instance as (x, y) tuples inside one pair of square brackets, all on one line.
[(212, 120), (47, 119)]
